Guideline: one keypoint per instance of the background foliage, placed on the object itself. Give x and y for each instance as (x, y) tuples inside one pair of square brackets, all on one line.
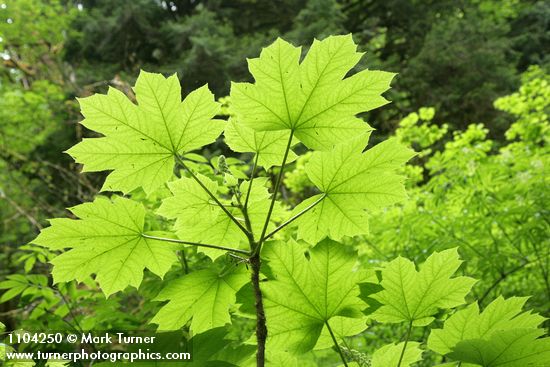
[(472, 97)]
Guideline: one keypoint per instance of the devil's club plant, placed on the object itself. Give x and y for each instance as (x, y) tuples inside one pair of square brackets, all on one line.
[(305, 285)]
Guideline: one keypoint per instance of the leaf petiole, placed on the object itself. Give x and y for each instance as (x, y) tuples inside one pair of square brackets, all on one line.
[(239, 251), (251, 180), (336, 344), (405, 344), (273, 199), (296, 216)]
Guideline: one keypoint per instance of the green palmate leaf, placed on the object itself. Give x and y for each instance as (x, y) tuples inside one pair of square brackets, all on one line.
[(501, 335), (141, 140), (510, 348), (200, 219), (312, 98), (501, 314), (388, 355), (353, 184), (107, 241), (270, 146), (203, 296), (415, 296), (306, 294)]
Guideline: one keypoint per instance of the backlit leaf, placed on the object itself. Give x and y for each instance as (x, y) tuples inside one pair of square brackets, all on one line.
[(354, 184), (203, 296), (415, 296), (140, 141), (313, 98), (106, 241), (306, 294), (501, 335), (388, 355)]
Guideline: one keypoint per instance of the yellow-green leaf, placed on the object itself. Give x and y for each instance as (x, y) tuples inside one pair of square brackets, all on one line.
[(415, 296), (106, 241), (313, 99), (140, 141)]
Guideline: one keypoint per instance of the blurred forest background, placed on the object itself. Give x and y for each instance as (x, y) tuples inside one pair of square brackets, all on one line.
[(472, 96)]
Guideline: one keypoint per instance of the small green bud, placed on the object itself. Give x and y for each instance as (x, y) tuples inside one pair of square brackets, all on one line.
[(222, 164)]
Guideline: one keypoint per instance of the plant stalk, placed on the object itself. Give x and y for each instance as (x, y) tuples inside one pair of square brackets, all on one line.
[(255, 263), (405, 345), (251, 181), (196, 244), (261, 328), (336, 344), (293, 218), (258, 247)]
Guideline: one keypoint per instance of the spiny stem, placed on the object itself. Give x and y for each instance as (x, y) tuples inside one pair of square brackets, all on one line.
[(405, 345), (261, 326), (294, 217), (196, 244), (336, 344), (182, 163), (251, 180), (275, 191)]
